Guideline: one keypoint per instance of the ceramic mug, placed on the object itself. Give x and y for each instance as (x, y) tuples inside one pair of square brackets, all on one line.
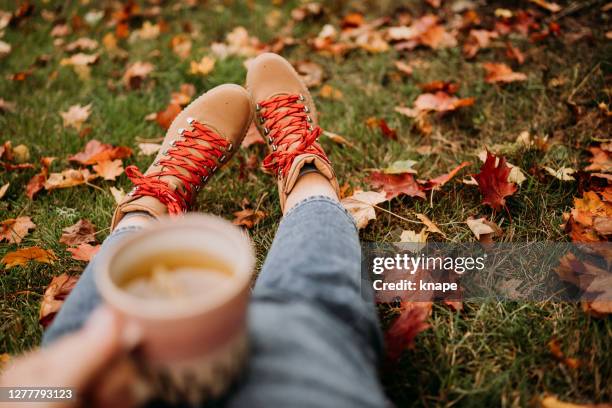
[(194, 344)]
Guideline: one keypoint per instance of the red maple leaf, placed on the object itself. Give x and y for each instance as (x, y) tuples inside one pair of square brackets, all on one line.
[(411, 321), (493, 182), (396, 184), (438, 182)]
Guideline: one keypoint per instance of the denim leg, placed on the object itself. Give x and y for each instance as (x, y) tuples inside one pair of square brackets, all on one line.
[(84, 297), (315, 338)]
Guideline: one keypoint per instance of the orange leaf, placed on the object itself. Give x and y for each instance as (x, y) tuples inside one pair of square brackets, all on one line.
[(14, 229), (395, 184), (68, 178), (55, 294), (248, 217), (109, 170), (165, 117), (493, 182), (23, 256), (499, 72), (96, 151), (84, 252)]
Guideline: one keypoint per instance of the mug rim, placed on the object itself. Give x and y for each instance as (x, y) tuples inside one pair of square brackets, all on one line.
[(154, 309)]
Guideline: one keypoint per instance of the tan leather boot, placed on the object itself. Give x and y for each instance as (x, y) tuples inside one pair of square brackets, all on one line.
[(287, 119), (202, 138)]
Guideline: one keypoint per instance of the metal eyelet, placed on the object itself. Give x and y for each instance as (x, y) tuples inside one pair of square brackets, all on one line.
[(165, 153), (311, 128), (190, 120), (173, 143), (204, 179), (257, 107), (273, 147), (302, 97), (197, 188), (280, 173), (214, 168), (266, 130), (261, 120), (229, 147), (270, 139), (222, 159), (181, 131), (306, 109), (309, 119)]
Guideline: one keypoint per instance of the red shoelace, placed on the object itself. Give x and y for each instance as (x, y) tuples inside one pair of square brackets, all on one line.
[(179, 156), (285, 121)]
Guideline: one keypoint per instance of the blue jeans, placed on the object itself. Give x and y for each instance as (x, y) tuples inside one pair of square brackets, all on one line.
[(315, 338)]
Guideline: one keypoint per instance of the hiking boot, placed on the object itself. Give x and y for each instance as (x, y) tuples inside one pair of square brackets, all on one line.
[(201, 139), (286, 117)]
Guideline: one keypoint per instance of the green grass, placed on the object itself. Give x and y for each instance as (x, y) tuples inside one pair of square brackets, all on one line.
[(487, 355)]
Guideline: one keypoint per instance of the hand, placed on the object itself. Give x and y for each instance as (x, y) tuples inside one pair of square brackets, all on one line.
[(73, 361)]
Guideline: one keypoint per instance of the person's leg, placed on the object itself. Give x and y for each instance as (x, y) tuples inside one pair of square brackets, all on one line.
[(200, 140), (315, 335)]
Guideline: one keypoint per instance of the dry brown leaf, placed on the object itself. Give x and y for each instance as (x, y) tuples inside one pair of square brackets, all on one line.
[(22, 256), (184, 95), (500, 72), (83, 43), (148, 149), (431, 227), (310, 72), (68, 178), (14, 229), (341, 140), (55, 294), (396, 184), (136, 73), (118, 194), (96, 151), (165, 117), (248, 217), (109, 169), (181, 45), (80, 233), (601, 160), (550, 401), (329, 92), (361, 206), (483, 229), (76, 115)]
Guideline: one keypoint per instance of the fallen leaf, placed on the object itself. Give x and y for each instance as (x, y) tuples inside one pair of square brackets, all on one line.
[(14, 229), (96, 151), (396, 184), (483, 229), (60, 30), (548, 5), (448, 87), (493, 182), (181, 45), (83, 43), (80, 233), (136, 73), (248, 217), (550, 401), (437, 182), (6, 106), (329, 92), (438, 102), (555, 349), (563, 174), (148, 149), (5, 49), (79, 60), (514, 53), (109, 169), (403, 67), (400, 167), (361, 206), (404, 329), (477, 40), (601, 160), (341, 140), (118, 194), (59, 288), (418, 239), (184, 95), (431, 227), (165, 117), (202, 67), (22, 256), (84, 252), (76, 115), (3, 190), (500, 72), (310, 72), (148, 31), (68, 178), (252, 137)]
